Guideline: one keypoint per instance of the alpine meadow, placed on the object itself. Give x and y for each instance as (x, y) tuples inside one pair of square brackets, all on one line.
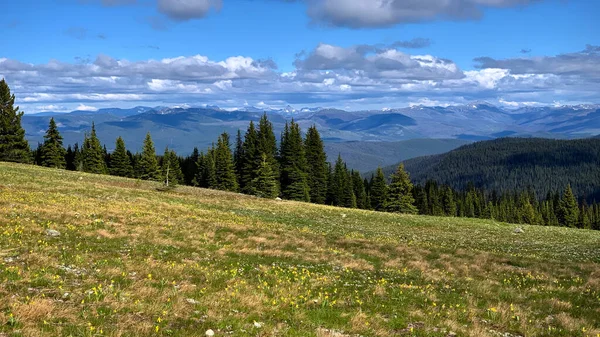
[(311, 168)]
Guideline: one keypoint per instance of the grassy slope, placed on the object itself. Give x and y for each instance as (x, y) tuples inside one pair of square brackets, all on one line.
[(132, 261)]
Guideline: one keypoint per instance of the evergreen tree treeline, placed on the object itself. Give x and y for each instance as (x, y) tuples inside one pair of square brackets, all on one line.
[(296, 170)]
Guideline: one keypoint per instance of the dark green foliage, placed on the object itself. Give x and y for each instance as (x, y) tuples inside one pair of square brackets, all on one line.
[(189, 166), (170, 169), (317, 166), (92, 154), (53, 153), (147, 165), (238, 154), (249, 159), (448, 203), (267, 144), (120, 163), (379, 191), (359, 190), (70, 158), (294, 185), (568, 214), (515, 164), (226, 179), (264, 185), (13, 145), (400, 198), (206, 175)]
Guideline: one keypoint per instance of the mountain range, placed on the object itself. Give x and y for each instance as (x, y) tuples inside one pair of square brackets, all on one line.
[(184, 127)]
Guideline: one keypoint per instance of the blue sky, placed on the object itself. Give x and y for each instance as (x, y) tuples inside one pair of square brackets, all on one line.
[(353, 54)]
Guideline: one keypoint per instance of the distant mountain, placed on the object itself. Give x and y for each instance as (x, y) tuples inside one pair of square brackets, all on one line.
[(364, 156), (515, 164), (183, 127)]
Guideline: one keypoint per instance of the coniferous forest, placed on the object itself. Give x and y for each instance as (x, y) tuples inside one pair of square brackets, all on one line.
[(295, 169)]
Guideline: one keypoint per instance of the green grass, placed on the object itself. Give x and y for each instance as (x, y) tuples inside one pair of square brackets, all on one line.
[(134, 261)]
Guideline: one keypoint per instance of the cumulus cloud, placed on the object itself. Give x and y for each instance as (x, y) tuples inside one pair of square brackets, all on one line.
[(326, 75), (378, 62), (184, 10), (584, 63), (84, 107), (382, 13)]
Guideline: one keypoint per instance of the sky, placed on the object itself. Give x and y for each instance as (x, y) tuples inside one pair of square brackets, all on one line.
[(62, 55)]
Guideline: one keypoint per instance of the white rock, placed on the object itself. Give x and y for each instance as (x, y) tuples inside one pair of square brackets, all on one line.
[(191, 301), (278, 199), (209, 332), (258, 325), (52, 232), (519, 230)]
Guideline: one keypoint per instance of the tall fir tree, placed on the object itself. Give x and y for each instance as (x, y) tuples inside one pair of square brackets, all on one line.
[(337, 183), (13, 145), (267, 144), (120, 163), (206, 176), (70, 158), (379, 191), (317, 166), (400, 198), (294, 185), (264, 185), (238, 154), (147, 165), (448, 202), (568, 209), (53, 153), (359, 190), (170, 169), (92, 154), (224, 168), (250, 159)]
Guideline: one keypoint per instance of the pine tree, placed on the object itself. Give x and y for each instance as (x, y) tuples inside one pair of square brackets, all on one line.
[(147, 165), (317, 166), (294, 185), (338, 183), (53, 153), (265, 183), (379, 191), (400, 198), (120, 163), (267, 144), (421, 200), (13, 145), (359, 190), (448, 203), (70, 158), (206, 176), (224, 168), (92, 154), (238, 155), (250, 159), (568, 209), (171, 169)]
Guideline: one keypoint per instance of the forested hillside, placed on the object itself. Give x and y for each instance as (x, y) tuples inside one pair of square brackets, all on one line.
[(510, 164)]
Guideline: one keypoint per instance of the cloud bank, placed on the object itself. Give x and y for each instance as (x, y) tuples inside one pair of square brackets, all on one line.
[(360, 76)]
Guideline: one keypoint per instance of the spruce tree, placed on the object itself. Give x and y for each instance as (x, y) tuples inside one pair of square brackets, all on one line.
[(448, 203), (294, 185), (338, 183), (568, 209), (238, 154), (53, 153), (147, 165), (13, 145), (265, 183), (317, 166), (226, 179), (120, 163), (70, 158), (206, 172), (400, 198), (379, 191), (92, 154), (267, 144), (359, 190), (171, 169), (250, 159)]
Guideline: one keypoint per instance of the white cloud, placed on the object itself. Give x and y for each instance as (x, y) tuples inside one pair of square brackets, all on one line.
[(187, 9), (84, 107)]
